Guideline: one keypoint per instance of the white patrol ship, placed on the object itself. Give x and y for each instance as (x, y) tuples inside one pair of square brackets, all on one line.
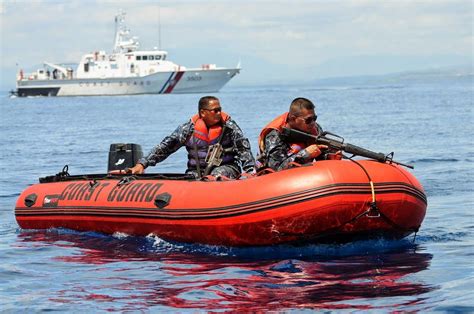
[(126, 71)]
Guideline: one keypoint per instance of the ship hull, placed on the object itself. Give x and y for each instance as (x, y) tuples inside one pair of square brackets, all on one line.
[(178, 82)]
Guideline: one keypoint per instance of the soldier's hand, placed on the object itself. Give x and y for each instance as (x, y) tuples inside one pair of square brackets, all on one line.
[(315, 150), (335, 156), (137, 169), (248, 175), (119, 172)]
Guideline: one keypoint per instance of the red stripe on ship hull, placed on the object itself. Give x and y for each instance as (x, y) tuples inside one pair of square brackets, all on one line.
[(174, 82)]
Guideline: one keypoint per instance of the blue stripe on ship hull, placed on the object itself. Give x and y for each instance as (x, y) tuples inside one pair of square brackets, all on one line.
[(164, 86)]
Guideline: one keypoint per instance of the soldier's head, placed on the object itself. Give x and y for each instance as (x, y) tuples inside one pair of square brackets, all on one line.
[(210, 110), (302, 116)]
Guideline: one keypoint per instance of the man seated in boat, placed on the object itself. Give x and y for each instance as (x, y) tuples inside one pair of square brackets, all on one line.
[(279, 152), (209, 129)]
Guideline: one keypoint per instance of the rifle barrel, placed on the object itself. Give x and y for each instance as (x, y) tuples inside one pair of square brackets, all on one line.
[(340, 145), (359, 151)]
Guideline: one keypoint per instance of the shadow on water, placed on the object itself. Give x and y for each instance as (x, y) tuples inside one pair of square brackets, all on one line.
[(161, 274)]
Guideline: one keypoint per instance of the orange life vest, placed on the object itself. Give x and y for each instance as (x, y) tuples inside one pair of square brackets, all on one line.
[(197, 145), (277, 124), (202, 132)]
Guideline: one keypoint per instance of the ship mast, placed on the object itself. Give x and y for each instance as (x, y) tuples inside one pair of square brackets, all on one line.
[(123, 41)]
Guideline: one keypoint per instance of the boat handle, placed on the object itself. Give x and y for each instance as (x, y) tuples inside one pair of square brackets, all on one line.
[(30, 200), (162, 200)]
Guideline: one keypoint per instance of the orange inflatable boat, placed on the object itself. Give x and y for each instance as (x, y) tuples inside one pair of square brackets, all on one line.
[(334, 200)]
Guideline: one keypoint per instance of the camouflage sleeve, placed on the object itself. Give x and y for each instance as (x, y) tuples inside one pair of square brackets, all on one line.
[(242, 148), (277, 152), (168, 145)]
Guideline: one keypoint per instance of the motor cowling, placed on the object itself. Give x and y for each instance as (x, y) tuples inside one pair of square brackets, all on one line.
[(123, 155)]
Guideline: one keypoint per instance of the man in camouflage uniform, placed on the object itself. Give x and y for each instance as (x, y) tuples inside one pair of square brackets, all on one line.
[(278, 152), (209, 127)]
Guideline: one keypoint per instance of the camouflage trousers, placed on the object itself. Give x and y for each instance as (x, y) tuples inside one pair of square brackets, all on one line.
[(229, 171)]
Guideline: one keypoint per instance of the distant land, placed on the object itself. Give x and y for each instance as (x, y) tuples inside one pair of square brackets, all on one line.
[(449, 73), (460, 72)]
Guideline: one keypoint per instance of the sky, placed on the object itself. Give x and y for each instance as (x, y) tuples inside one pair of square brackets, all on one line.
[(274, 41)]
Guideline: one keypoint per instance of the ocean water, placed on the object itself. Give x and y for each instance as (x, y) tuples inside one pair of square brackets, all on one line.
[(429, 125)]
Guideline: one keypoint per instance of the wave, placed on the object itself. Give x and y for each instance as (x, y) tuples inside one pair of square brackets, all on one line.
[(378, 87), (285, 251), (9, 195), (89, 152), (442, 237), (152, 244), (433, 160), (349, 88)]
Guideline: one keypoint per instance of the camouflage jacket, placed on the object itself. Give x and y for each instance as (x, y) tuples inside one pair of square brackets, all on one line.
[(241, 146), (278, 155)]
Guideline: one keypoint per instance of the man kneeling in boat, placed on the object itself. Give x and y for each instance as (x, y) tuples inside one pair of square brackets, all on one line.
[(210, 126), (279, 152)]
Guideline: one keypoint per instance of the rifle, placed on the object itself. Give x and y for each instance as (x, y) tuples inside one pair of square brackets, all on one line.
[(214, 154), (336, 142)]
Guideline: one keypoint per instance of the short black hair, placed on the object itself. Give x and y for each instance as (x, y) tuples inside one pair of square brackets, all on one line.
[(204, 101), (300, 103)]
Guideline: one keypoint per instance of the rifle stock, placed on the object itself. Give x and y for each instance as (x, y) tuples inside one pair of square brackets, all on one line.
[(214, 154), (336, 142), (213, 158)]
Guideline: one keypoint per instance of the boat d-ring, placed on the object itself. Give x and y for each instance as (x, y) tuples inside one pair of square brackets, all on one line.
[(126, 180)]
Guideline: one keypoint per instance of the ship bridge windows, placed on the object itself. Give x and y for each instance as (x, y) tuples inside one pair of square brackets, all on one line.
[(150, 57)]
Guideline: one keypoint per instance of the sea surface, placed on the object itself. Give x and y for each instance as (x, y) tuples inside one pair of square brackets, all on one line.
[(429, 125)]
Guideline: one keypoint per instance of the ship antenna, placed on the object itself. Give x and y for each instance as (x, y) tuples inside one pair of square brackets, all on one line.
[(118, 22), (159, 29)]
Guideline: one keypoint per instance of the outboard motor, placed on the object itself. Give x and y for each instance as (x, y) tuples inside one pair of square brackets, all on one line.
[(122, 156)]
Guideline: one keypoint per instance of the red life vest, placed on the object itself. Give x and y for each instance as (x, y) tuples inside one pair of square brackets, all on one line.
[(277, 124)]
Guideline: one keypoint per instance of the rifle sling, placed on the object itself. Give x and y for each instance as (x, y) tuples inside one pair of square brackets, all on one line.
[(196, 154)]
